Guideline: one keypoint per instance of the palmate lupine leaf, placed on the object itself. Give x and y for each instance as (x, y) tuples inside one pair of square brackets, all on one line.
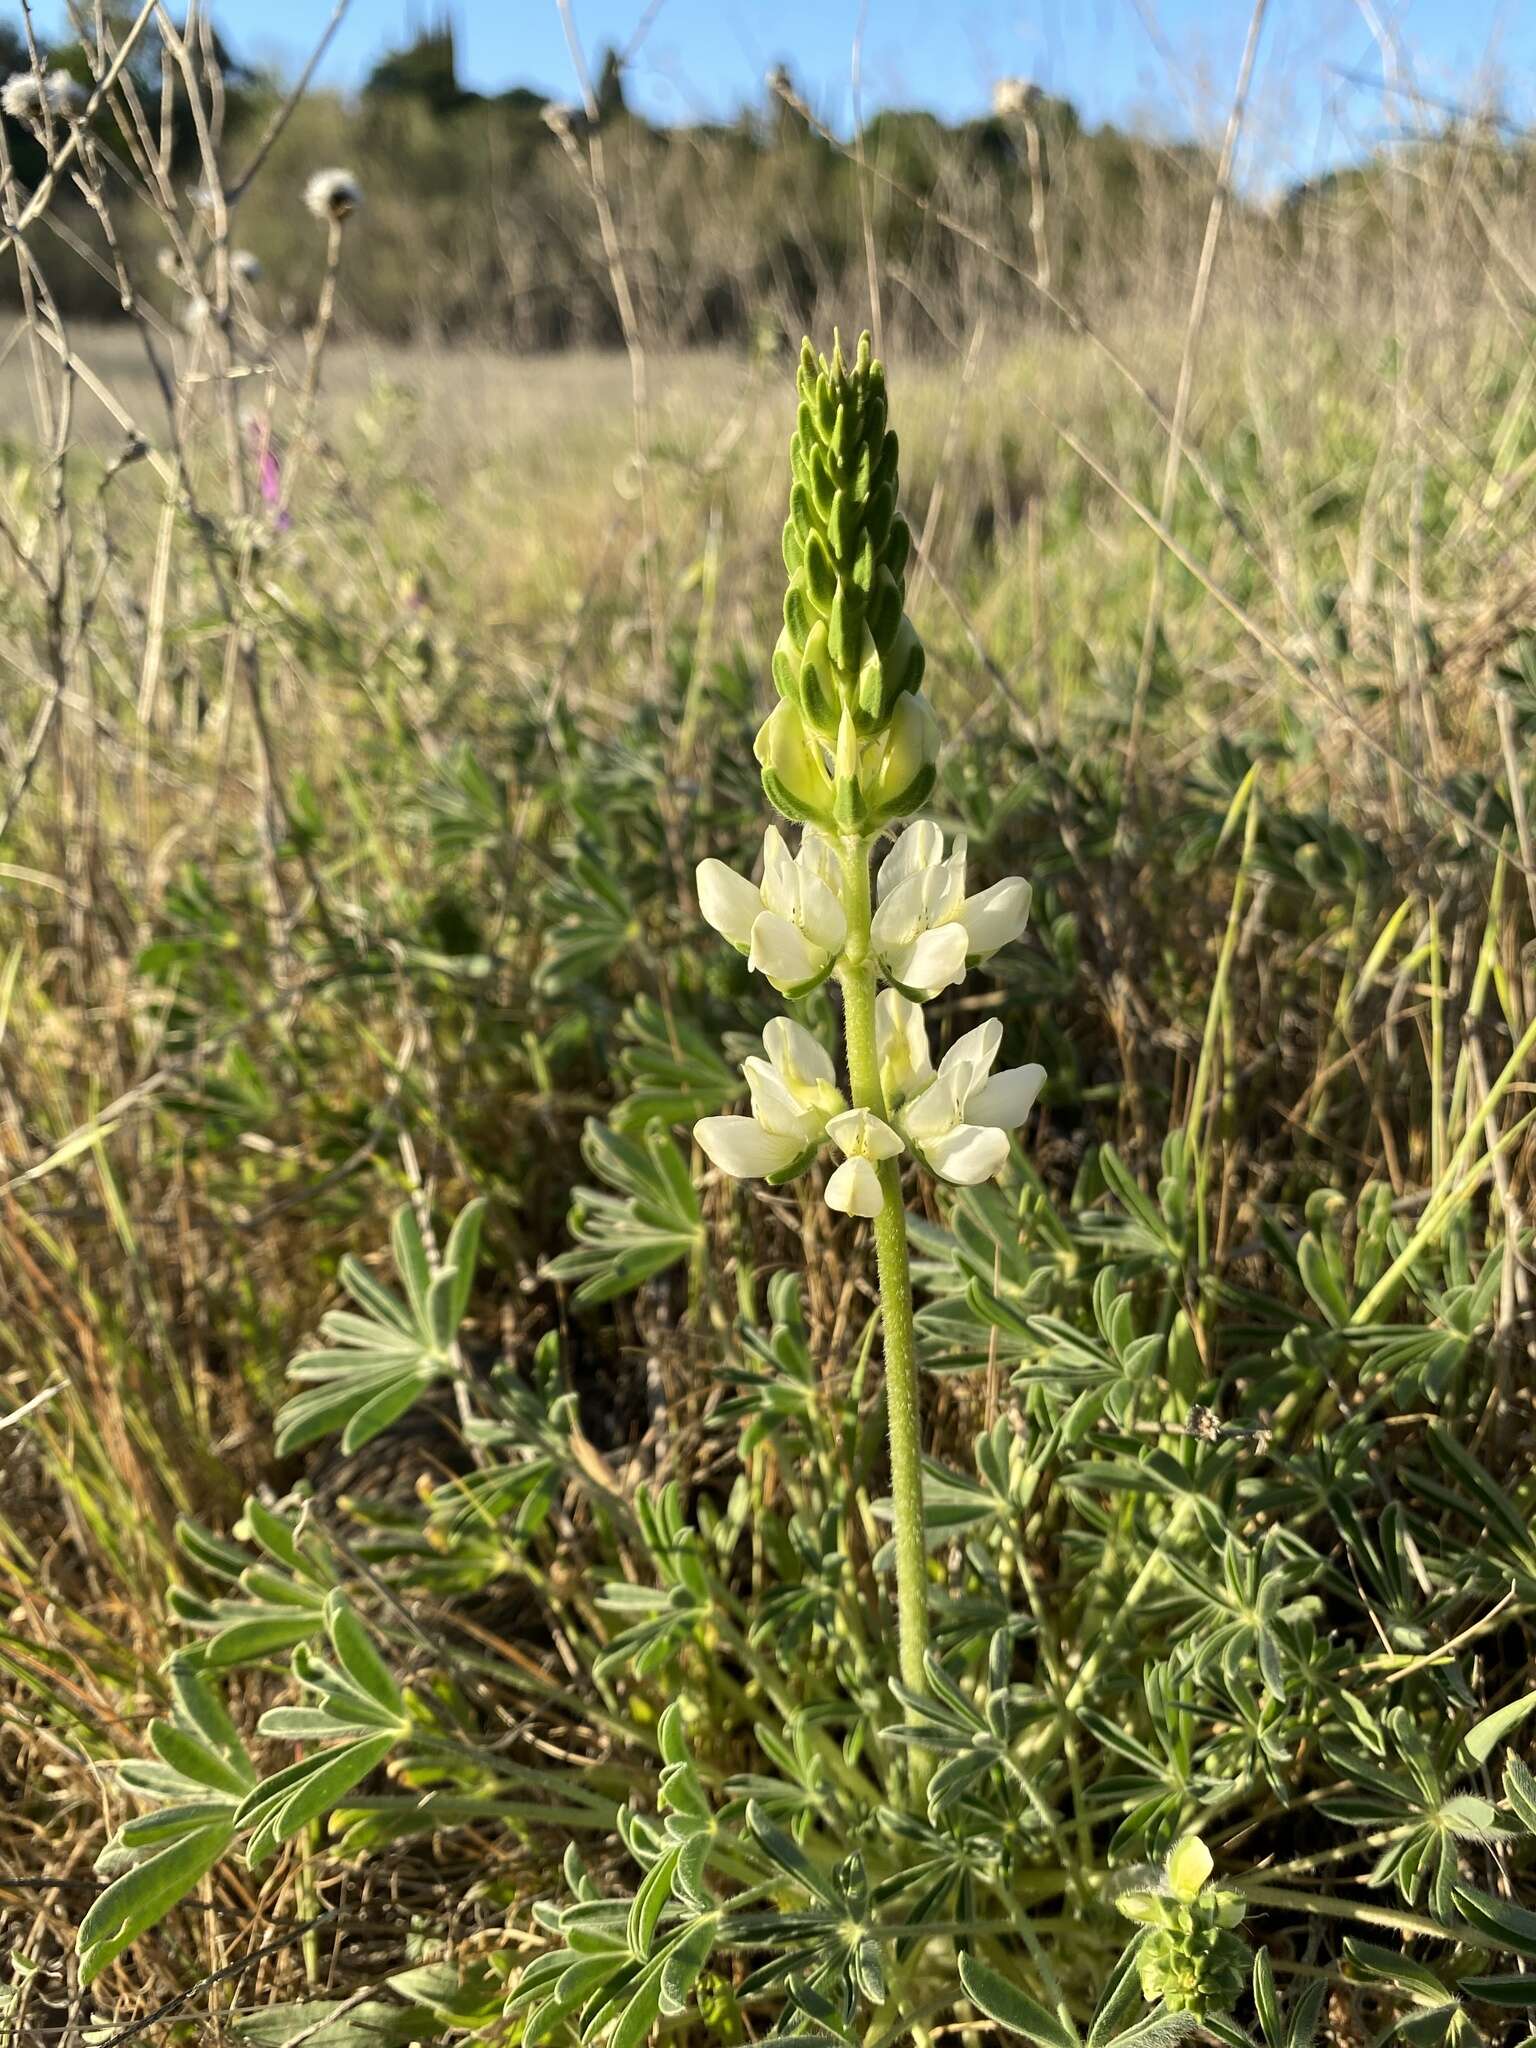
[(674, 1069), (273, 1603), (651, 1221), (591, 921), (339, 2023), (378, 1363), (198, 1777), (355, 1705), (1013, 2008)]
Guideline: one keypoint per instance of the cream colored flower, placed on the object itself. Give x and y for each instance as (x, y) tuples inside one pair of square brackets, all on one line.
[(794, 765), (864, 1139), (790, 925), (794, 1096), (958, 1119), (926, 930)]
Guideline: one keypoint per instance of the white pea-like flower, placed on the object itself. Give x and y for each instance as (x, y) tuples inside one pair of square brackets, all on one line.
[(958, 1119), (926, 931), (791, 925), (794, 1098), (333, 194), (864, 1139)]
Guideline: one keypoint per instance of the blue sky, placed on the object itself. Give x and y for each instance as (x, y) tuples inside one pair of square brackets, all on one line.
[(1168, 64)]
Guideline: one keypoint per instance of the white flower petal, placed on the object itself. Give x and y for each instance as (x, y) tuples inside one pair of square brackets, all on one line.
[(997, 916), (947, 891), (933, 961), (901, 1041), (778, 890), (781, 951), (1006, 1099), (802, 1060), (740, 1146), (943, 890), (967, 1154), (970, 1058), (935, 1111), (776, 1107), (728, 901), (900, 917), (821, 915), (920, 846), (855, 1189), (859, 1132), (818, 856)]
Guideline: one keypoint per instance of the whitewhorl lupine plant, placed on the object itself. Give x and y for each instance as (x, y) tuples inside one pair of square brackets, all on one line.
[(848, 755)]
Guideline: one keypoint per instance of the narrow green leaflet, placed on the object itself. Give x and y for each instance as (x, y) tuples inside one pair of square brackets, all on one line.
[(377, 1364), (650, 1222)]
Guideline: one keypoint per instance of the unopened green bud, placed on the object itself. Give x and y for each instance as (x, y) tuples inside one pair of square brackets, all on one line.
[(898, 769), (849, 807), (847, 644), (795, 777)]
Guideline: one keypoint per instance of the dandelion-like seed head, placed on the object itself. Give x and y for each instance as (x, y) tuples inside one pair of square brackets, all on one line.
[(1013, 96), (21, 97), (64, 94), (333, 194), (245, 265), (25, 95)]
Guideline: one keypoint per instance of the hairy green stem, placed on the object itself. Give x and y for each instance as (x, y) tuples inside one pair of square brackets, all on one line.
[(856, 973)]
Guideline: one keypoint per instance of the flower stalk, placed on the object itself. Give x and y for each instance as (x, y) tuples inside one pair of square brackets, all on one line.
[(850, 752), (856, 977)]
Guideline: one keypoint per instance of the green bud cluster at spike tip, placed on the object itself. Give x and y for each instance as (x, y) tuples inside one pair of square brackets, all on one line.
[(852, 744)]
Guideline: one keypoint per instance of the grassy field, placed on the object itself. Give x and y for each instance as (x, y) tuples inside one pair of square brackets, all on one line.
[(362, 735)]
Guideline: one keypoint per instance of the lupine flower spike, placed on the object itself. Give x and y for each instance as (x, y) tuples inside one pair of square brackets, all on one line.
[(848, 753)]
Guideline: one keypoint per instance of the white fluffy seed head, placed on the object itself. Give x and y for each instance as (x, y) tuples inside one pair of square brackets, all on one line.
[(21, 97), (1013, 96), (333, 194), (24, 95), (245, 266), (62, 92)]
